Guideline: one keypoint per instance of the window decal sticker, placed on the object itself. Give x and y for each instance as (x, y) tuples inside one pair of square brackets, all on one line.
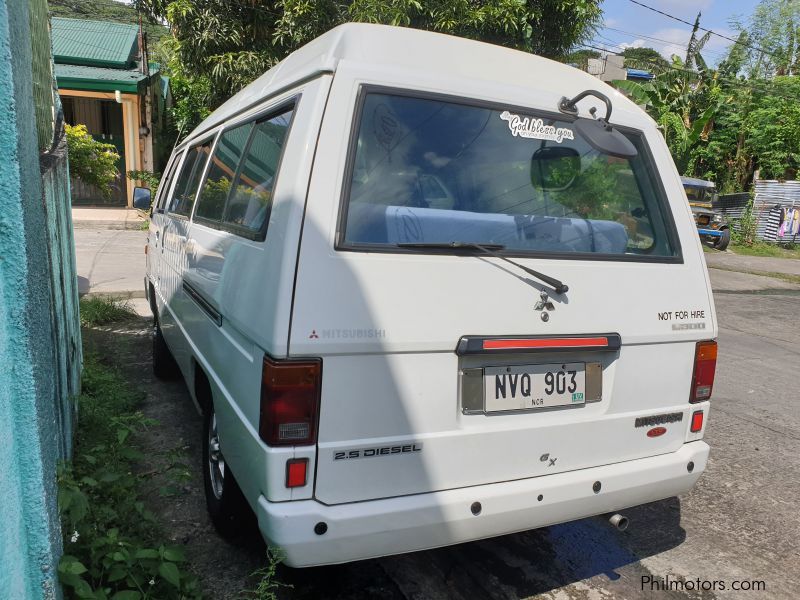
[(528, 127)]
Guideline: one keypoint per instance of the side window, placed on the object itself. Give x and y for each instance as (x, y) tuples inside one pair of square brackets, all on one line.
[(227, 154), (166, 182), (189, 179), (250, 200)]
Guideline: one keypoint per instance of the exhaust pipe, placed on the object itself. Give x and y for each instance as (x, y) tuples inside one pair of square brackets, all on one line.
[(618, 521)]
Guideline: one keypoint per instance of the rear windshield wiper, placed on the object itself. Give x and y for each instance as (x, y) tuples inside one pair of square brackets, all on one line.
[(489, 249)]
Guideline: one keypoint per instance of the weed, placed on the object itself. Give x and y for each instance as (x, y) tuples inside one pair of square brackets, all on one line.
[(113, 547), (745, 228), (102, 311), (268, 586)]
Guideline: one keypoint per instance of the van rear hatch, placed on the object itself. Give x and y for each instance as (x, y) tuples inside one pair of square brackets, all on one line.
[(444, 364)]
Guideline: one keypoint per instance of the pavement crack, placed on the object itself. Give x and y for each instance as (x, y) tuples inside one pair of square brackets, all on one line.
[(769, 339), (752, 422)]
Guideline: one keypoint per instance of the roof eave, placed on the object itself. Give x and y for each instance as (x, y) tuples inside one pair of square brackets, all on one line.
[(93, 85)]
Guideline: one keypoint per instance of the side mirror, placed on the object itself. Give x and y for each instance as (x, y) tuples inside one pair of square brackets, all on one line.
[(141, 198), (554, 168)]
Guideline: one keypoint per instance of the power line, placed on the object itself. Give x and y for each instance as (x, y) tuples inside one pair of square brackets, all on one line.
[(655, 39), (751, 85), (678, 48), (725, 37)]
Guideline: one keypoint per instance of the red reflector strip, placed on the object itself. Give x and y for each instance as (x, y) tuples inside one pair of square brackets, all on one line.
[(296, 471), (697, 421), (588, 342)]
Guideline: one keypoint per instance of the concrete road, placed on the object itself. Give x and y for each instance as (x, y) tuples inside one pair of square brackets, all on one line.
[(740, 525), (110, 261)]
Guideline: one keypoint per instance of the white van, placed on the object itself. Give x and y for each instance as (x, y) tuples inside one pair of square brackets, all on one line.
[(424, 293)]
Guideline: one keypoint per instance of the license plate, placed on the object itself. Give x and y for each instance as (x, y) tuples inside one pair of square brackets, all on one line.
[(523, 387)]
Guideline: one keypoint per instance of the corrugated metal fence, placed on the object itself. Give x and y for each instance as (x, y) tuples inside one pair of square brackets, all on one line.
[(42, 73), (770, 199)]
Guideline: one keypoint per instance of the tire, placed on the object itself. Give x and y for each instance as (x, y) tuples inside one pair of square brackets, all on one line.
[(164, 365), (225, 502), (721, 243)]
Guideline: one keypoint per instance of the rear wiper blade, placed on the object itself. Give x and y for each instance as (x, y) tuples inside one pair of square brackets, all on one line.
[(489, 249)]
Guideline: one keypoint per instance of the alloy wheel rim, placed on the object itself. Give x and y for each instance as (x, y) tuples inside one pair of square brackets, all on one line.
[(216, 462)]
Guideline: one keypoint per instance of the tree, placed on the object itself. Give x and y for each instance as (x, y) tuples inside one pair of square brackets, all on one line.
[(645, 58), (684, 100), (695, 45), (231, 42), (580, 58), (772, 128), (93, 162), (773, 38), (106, 10)]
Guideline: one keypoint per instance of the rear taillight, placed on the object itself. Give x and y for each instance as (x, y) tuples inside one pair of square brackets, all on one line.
[(290, 391), (705, 363)]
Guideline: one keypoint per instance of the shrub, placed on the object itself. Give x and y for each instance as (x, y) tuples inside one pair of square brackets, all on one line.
[(148, 178), (93, 162)]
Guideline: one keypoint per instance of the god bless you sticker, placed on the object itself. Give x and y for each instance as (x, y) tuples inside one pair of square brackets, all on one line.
[(536, 129)]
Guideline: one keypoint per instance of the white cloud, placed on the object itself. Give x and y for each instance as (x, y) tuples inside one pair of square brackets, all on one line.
[(634, 44)]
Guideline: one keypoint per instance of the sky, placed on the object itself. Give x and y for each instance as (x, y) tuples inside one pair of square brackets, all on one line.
[(627, 24)]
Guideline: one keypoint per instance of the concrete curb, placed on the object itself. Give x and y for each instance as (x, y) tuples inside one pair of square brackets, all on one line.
[(121, 295), (120, 225)]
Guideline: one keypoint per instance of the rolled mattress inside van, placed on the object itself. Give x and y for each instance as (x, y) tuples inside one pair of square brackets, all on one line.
[(375, 224)]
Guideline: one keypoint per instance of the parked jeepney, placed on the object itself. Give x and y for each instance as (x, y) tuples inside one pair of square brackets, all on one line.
[(711, 225)]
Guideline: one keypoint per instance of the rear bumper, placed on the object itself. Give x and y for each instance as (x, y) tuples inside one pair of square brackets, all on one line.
[(375, 528)]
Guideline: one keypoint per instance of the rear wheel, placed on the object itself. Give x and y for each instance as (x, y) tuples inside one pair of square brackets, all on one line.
[(164, 365), (226, 504), (721, 243)]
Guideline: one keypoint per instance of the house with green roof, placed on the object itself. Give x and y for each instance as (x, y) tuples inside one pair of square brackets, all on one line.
[(106, 83)]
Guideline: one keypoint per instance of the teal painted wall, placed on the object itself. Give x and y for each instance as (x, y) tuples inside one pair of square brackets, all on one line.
[(39, 330)]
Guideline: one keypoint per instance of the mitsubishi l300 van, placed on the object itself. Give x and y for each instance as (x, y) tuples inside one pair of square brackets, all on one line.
[(426, 290)]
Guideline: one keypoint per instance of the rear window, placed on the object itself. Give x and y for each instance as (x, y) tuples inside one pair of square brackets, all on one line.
[(428, 170)]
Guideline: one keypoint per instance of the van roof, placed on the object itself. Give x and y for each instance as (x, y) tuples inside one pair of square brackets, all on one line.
[(407, 49)]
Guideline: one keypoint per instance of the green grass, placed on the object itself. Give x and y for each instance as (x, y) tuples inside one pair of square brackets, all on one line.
[(102, 311), (764, 249)]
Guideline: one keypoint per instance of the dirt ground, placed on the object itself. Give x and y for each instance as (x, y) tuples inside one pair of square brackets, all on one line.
[(740, 523)]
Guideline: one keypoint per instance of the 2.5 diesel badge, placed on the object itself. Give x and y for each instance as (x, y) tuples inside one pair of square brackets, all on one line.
[(380, 451)]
